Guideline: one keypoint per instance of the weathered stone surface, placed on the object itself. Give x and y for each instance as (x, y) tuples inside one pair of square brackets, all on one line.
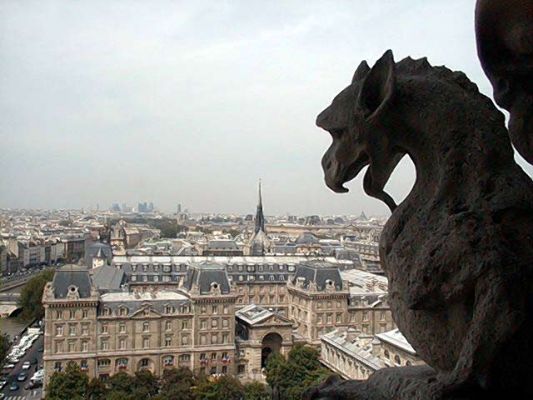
[(458, 251), (504, 33)]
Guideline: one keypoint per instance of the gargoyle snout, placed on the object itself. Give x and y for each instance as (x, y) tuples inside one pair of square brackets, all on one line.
[(322, 120), (332, 173)]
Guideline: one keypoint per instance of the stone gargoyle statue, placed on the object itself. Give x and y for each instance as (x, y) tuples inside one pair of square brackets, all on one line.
[(504, 35), (458, 251)]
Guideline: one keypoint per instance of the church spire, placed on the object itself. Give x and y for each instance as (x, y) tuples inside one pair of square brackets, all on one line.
[(259, 217)]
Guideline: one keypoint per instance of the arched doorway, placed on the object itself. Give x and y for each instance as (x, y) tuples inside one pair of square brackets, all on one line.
[(271, 344)]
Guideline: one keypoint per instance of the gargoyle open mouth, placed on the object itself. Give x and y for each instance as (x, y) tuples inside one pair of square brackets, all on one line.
[(337, 173)]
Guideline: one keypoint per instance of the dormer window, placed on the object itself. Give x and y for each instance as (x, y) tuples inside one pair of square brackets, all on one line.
[(123, 311), (106, 311)]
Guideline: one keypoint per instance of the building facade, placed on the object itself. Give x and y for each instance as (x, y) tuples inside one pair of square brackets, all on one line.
[(214, 315)]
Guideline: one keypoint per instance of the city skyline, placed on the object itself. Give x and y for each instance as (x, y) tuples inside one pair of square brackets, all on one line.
[(193, 103)]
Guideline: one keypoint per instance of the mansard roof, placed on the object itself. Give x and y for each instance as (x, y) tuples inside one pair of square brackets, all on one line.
[(321, 275), (206, 277), (69, 276)]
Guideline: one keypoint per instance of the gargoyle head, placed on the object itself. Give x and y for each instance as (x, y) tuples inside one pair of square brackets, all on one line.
[(357, 121)]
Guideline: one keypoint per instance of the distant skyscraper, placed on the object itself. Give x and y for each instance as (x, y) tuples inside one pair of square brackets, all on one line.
[(179, 208)]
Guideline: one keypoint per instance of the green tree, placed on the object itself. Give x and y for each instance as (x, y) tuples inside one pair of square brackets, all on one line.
[(176, 384), (31, 296), (276, 370), (69, 385), (146, 385), (290, 378), (226, 387), (256, 391), (96, 390), (121, 384), (4, 347)]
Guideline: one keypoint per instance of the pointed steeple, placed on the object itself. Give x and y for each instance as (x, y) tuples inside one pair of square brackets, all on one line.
[(259, 217)]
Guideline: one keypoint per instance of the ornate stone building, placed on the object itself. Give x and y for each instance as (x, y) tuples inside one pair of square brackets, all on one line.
[(355, 355), (214, 315)]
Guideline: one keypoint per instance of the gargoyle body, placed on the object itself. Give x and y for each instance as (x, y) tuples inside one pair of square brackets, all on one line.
[(504, 33), (458, 251)]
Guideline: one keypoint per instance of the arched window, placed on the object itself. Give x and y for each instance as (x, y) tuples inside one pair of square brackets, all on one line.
[(168, 361), (121, 363), (397, 360)]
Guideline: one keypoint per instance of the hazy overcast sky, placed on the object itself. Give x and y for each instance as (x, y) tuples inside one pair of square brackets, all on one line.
[(194, 101)]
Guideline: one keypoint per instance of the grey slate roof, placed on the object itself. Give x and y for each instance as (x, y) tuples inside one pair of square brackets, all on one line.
[(206, 274), (307, 238), (68, 276), (222, 244), (319, 274), (97, 249), (107, 277)]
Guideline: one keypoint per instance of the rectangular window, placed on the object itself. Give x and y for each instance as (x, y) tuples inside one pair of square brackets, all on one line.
[(103, 328), (225, 323), (72, 330), (214, 338), (146, 343), (225, 338), (214, 323), (168, 341), (214, 309), (184, 324), (224, 369), (203, 339), (59, 347), (104, 344), (146, 327), (122, 328), (185, 340), (85, 346), (72, 314), (122, 344), (59, 330), (168, 325), (85, 314), (71, 347), (59, 314), (104, 363), (203, 324)]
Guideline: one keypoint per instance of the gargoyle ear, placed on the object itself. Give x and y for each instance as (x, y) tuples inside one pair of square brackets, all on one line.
[(378, 86), (361, 72)]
